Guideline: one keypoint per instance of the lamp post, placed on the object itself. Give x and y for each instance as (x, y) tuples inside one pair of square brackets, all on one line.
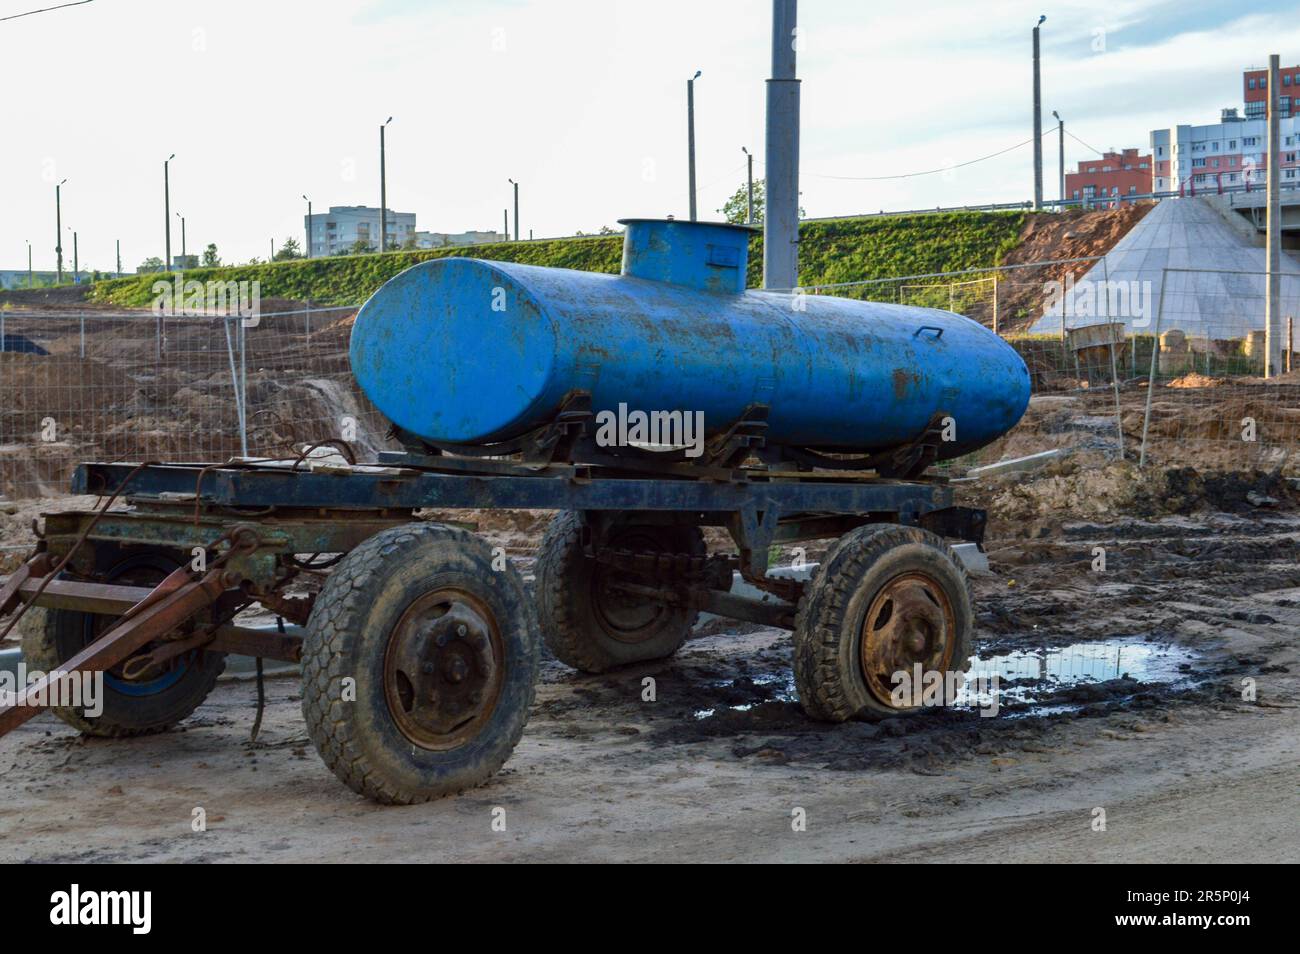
[(383, 190), (516, 186), (58, 234), (1038, 123), (167, 209), (308, 226), (182, 218), (1060, 134), (690, 136), (29, 264)]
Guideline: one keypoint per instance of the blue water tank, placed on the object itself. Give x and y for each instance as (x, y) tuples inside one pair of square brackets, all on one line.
[(466, 351)]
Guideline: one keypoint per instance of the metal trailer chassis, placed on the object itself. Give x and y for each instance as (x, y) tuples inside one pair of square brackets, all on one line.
[(420, 650)]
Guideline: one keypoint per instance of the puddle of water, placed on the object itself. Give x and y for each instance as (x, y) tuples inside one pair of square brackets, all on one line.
[(1025, 675)]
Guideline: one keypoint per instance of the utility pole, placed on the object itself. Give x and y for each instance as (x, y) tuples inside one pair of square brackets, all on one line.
[(308, 226), (272, 258), (182, 218), (1273, 234), (58, 234), (690, 137), (781, 146), (1060, 133), (749, 214), (505, 225), (516, 185), (167, 210), (75, 267), (119, 258), (29, 264), (383, 191), (1038, 123)]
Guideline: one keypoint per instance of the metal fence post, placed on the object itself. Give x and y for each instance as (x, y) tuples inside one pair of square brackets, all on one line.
[(1151, 378), (995, 303), (1114, 369)]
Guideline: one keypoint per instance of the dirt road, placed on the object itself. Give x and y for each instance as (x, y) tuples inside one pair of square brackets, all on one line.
[(719, 765)]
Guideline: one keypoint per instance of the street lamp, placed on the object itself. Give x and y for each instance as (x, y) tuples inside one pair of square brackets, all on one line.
[(58, 225), (167, 210), (1038, 123), (690, 136), (308, 201), (749, 215), (1060, 130), (182, 218), (516, 185), (29, 263), (383, 191)]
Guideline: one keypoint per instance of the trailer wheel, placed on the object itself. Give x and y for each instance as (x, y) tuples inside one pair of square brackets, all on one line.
[(130, 707), (592, 626), (885, 599), (419, 664)]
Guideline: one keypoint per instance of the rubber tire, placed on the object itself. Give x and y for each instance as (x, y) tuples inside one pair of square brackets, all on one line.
[(347, 634), (570, 625), (828, 625), (60, 633)]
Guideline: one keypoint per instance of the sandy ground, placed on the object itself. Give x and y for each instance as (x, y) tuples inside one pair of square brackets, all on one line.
[(1184, 771)]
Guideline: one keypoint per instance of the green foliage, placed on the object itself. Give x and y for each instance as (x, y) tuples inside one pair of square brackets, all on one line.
[(210, 257), (844, 250), (289, 251)]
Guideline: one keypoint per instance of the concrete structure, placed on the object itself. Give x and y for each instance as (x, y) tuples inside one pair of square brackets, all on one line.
[(1106, 182), (1226, 154), (1254, 91), (337, 231), (1224, 300), (445, 239)]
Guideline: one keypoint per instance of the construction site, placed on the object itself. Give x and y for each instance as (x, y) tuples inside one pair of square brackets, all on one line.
[(967, 535)]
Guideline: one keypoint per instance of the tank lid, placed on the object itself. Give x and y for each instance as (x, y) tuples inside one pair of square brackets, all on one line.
[(711, 256)]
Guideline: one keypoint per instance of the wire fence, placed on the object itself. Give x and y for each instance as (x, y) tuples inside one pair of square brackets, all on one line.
[(1171, 374), (99, 386)]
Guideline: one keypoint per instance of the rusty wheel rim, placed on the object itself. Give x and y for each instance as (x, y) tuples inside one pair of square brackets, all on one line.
[(443, 669), (909, 621)]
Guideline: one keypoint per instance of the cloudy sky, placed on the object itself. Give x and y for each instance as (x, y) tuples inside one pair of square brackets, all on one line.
[(582, 101)]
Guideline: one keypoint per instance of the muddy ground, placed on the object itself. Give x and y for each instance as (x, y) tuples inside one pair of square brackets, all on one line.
[(1184, 769)]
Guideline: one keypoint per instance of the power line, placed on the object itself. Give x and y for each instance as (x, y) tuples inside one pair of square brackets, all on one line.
[(928, 172), (18, 16), (1082, 143)]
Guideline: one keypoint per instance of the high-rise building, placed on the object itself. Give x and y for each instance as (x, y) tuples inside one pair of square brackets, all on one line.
[(343, 226), (1254, 89), (1110, 180)]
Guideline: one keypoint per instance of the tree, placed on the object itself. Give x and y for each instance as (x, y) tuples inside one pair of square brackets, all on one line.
[(151, 264), (289, 250), (210, 257), (736, 208)]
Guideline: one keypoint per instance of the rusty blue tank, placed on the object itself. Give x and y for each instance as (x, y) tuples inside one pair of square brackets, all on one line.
[(466, 351)]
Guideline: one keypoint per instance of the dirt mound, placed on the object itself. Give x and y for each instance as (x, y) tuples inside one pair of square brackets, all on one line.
[(1194, 379)]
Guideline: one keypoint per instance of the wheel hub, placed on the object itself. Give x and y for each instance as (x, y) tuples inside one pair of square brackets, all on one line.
[(910, 622), (443, 669)]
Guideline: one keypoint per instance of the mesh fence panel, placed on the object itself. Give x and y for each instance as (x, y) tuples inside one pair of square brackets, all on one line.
[(178, 388)]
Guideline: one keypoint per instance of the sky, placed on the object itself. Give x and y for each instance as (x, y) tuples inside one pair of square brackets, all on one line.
[(583, 102)]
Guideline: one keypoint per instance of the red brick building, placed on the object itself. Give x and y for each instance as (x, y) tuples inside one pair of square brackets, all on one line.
[(1254, 90), (1107, 182)]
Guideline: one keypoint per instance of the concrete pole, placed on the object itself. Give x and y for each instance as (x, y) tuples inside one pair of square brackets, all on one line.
[(516, 186), (75, 266), (383, 191), (1060, 135), (29, 266), (1273, 234), (781, 146), (690, 138), (167, 210), (505, 225), (749, 214), (119, 258), (58, 234), (308, 226), (1038, 124)]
